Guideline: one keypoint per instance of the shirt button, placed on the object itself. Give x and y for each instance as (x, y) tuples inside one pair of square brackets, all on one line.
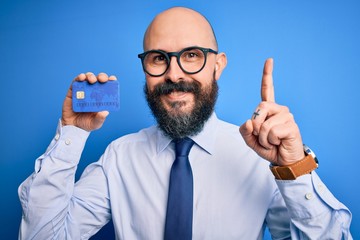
[(57, 136), (308, 196), (67, 142)]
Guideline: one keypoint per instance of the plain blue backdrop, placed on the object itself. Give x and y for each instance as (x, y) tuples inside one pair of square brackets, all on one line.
[(45, 44)]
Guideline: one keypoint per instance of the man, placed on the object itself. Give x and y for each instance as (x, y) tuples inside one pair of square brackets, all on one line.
[(232, 193)]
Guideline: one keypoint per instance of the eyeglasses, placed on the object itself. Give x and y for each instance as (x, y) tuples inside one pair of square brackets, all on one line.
[(191, 60)]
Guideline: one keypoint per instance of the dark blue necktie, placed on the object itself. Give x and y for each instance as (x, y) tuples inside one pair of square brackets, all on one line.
[(179, 212)]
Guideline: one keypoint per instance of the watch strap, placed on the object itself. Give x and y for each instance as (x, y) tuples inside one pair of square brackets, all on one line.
[(291, 172)]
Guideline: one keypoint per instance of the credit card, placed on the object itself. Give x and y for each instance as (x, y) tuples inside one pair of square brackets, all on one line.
[(95, 97)]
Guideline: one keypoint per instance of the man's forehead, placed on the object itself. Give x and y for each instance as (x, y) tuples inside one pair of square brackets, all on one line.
[(179, 14), (178, 28)]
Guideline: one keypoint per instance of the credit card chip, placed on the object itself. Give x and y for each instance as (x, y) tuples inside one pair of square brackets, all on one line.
[(80, 95)]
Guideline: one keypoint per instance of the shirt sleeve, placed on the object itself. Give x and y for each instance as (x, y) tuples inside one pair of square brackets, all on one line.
[(46, 194), (315, 213)]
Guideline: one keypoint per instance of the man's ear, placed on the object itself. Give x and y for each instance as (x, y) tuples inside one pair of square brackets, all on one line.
[(220, 64)]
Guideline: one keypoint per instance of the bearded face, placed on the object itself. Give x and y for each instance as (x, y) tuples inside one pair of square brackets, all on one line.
[(175, 122)]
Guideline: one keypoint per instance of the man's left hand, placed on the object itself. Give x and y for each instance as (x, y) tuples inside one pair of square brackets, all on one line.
[(272, 132)]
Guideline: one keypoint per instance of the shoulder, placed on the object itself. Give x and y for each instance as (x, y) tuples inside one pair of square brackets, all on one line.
[(144, 136), (129, 148)]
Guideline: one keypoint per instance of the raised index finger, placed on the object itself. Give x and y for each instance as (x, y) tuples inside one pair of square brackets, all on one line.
[(267, 84)]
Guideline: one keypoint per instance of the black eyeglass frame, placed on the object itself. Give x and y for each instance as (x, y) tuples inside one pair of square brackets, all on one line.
[(168, 56)]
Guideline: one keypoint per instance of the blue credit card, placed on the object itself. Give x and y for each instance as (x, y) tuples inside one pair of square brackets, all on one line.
[(87, 97)]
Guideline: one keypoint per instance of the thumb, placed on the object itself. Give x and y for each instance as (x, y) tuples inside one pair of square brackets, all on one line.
[(246, 130), (99, 120)]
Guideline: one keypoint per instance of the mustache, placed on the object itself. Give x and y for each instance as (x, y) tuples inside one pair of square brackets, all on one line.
[(168, 87)]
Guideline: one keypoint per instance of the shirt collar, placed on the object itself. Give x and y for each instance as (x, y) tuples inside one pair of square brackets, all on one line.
[(205, 139), (162, 141)]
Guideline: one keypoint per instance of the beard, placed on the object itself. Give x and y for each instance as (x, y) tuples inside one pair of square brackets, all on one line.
[(178, 124)]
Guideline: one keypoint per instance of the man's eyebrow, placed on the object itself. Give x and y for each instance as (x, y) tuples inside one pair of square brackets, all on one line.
[(159, 49)]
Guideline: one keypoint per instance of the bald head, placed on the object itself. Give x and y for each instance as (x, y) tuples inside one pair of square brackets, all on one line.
[(177, 28)]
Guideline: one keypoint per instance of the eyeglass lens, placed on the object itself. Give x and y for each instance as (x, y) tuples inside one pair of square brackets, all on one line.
[(190, 60)]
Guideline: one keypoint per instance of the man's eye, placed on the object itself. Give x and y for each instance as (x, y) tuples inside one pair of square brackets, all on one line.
[(191, 55), (159, 59)]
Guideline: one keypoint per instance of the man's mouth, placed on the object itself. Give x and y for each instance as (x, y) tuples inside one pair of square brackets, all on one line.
[(177, 95)]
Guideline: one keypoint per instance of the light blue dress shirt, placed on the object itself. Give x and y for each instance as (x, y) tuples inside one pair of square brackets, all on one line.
[(235, 194)]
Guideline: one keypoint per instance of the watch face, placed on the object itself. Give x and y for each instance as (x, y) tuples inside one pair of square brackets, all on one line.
[(308, 151)]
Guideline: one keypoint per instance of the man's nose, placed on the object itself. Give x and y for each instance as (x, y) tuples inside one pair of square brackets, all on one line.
[(174, 73)]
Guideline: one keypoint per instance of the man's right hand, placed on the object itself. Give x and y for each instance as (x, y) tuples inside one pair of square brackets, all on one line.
[(86, 120)]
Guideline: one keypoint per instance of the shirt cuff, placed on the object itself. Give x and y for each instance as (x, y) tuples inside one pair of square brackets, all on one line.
[(67, 144), (307, 196)]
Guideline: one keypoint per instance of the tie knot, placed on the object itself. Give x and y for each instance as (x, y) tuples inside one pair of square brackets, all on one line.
[(183, 146)]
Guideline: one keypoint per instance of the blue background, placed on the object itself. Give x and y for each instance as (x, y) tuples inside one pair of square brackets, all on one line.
[(45, 44)]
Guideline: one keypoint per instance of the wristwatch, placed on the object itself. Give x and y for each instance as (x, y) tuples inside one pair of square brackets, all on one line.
[(304, 166)]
